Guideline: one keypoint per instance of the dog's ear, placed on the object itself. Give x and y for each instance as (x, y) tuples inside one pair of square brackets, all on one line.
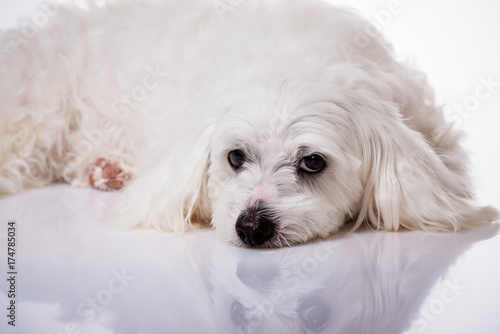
[(407, 184), (172, 195)]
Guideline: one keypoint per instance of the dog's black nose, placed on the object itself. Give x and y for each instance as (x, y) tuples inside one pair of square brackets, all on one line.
[(254, 226)]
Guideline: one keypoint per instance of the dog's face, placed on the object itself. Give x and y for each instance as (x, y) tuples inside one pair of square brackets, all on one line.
[(273, 165), (283, 170)]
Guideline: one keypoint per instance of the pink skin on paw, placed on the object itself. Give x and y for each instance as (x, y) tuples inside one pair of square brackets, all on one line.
[(111, 171), (115, 184), (107, 176), (101, 162)]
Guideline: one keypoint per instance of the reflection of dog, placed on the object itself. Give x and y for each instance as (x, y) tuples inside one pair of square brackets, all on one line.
[(269, 123), (363, 283)]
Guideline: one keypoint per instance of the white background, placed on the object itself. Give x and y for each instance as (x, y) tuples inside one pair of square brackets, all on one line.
[(456, 43)]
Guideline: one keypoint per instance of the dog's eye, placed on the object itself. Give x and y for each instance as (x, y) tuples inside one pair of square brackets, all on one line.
[(236, 159), (313, 163), (314, 313)]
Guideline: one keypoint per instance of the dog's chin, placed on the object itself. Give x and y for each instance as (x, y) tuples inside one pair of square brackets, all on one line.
[(266, 245), (226, 233), (274, 242), (278, 240)]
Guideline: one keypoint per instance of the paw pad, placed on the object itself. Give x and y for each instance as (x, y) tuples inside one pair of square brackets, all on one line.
[(104, 175)]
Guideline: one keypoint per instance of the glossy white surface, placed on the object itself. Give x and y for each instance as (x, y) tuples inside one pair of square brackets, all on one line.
[(75, 277), (73, 274)]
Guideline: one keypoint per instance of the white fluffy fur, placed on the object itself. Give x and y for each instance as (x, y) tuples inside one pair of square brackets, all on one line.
[(278, 79)]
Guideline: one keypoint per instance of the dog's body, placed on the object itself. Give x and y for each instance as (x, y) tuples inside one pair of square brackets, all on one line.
[(282, 118)]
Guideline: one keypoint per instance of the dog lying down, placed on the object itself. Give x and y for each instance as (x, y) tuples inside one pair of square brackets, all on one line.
[(274, 121)]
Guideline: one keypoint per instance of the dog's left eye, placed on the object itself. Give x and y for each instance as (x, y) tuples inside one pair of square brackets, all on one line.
[(313, 163), (236, 159)]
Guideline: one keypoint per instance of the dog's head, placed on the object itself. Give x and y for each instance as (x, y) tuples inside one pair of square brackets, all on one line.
[(282, 162), (284, 167)]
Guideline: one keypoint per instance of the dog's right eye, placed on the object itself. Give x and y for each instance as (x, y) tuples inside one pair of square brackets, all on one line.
[(236, 159), (313, 163)]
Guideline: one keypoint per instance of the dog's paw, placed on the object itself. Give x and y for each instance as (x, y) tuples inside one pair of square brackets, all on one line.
[(106, 175)]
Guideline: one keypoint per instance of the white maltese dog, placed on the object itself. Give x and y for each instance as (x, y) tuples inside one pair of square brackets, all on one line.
[(274, 121)]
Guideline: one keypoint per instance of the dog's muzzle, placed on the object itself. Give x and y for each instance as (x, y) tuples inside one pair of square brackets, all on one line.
[(255, 225)]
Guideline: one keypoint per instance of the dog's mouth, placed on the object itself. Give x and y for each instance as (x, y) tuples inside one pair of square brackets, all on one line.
[(274, 242)]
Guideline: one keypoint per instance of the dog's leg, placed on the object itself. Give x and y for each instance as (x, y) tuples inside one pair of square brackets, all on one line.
[(31, 149), (36, 151), (47, 113)]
